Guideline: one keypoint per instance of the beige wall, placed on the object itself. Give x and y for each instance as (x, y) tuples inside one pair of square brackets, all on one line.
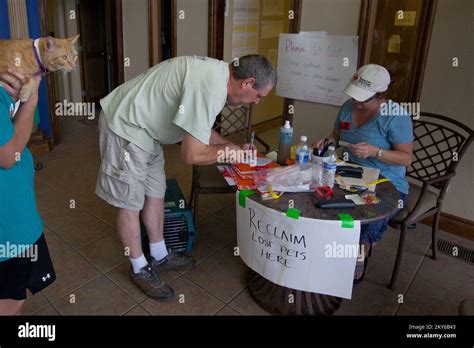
[(191, 32), (135, 36), (337, 17), (449, 91)]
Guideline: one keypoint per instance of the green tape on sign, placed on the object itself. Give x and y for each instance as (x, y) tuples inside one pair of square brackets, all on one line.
[(243, 195), (293, 213), (347, 220)]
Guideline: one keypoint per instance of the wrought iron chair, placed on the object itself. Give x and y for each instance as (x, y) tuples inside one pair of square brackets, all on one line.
[(236, 125), (439, 145)]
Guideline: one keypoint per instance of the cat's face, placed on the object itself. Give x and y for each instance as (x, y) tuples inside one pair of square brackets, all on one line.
[(59, 54)]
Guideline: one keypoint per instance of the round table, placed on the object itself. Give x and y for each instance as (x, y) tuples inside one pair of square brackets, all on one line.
[(274, 298)]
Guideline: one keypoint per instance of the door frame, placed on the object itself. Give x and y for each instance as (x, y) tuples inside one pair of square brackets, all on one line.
[(366, 28), (117, 49), (50, 87), (155, 30), (215, 46)]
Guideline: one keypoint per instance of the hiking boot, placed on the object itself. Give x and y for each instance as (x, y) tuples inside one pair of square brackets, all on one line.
[(173, 262), (149, 281)]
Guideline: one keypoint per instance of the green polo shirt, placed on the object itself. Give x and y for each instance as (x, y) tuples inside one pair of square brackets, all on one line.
[(183, 94)]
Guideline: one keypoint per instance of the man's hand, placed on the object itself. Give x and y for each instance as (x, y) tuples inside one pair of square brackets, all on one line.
[(249, 147), (12, 80), (195, 152), (363, 150)]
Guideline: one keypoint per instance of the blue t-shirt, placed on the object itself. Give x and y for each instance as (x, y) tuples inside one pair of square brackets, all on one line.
[(381, 131), (20, 223)]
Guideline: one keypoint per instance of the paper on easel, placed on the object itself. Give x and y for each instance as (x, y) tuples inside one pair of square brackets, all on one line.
[(303, 254)]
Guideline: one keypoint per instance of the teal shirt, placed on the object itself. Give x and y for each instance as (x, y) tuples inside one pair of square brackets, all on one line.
[(381, 131), (20, 223)]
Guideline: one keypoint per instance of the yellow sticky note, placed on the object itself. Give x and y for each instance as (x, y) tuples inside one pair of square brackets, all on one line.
[(405, 18), (394, 44)]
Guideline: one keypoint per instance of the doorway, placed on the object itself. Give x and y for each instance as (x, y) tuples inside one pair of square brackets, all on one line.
[(100, 49), (98, 31)]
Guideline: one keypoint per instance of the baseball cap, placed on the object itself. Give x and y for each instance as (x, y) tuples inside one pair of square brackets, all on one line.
[(367, 81)]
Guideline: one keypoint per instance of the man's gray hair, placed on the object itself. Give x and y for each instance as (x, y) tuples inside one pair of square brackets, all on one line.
[(256, 66)]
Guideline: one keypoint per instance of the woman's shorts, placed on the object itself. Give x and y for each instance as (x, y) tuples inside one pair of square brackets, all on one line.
[(34, 272)]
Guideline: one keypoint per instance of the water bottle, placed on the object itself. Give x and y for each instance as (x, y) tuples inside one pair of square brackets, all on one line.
[(329, 167), (302, 151), (316, 172), (286, 139)]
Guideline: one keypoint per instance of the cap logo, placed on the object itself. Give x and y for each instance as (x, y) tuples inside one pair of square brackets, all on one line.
[(364, 82)]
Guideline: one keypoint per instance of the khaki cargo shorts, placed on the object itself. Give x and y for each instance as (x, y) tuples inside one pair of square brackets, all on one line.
[(127, 173)]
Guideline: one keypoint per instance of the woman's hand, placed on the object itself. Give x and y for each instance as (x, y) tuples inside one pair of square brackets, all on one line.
[(318, 144), (12, 80), (363, 150)]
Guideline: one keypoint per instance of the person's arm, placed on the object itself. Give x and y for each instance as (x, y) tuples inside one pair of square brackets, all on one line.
[(217, 139), (402, 154), (333, 138), (23, 121), (195, 152)]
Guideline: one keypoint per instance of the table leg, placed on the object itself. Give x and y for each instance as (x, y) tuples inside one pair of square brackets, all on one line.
[(276, 299)]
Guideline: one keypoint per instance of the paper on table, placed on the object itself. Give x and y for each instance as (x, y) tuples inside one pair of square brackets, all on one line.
[(227, 176), (356, 199), (369, 175), (261, 161), (344, 143)]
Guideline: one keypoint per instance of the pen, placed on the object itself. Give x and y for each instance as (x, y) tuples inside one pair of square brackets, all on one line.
[(252, 137)]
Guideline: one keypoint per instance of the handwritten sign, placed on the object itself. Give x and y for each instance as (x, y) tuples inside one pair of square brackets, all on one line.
[(316, 68), (303, 254)]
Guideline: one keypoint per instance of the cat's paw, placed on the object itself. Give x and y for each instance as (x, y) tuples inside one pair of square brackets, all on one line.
[(25, 94)]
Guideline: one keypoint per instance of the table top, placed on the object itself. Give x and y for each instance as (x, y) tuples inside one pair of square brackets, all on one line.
[(305, 202)]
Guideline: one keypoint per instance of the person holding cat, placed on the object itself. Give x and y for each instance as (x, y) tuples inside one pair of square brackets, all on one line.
[(175, 101), (24, 257)]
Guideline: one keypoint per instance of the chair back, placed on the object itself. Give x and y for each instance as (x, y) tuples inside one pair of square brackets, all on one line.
[(235, 123), (439, 145)]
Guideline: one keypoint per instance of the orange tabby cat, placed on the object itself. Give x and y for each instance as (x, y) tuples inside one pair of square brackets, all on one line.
[(37, 57)]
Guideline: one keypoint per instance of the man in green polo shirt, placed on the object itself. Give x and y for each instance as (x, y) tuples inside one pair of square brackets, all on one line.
[(175, 101)]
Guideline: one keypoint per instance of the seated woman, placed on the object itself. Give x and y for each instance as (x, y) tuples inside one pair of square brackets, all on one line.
[(377, 139)]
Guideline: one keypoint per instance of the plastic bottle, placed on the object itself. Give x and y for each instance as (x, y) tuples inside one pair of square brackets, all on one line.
[(286, 139), (329, 167), (302, 151), (316, 172)]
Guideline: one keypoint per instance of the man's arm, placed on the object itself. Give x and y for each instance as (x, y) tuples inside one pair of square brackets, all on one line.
[(217, 139), (195, 152)]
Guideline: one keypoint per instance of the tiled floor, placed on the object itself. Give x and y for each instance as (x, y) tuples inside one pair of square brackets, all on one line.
[(92, 272)]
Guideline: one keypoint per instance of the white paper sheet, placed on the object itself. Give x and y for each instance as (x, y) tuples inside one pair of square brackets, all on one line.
[(304, 254)]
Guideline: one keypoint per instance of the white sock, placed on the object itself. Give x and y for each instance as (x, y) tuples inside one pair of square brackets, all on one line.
[(138, 263), (158, 250)]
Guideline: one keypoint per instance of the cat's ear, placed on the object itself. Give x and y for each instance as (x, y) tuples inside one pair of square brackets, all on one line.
[(74, 39), (49, 44)]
